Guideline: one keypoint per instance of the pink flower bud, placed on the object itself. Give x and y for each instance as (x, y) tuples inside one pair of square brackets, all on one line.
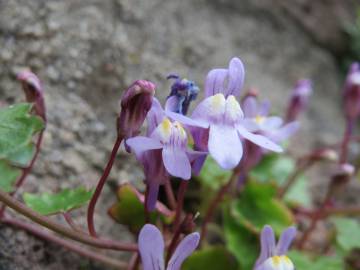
[(299, 99), (352, 92)]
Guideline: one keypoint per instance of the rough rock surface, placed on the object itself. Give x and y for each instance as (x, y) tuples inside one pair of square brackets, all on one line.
[(86, 52)]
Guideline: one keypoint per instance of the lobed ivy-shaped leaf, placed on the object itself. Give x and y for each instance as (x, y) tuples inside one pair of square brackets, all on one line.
[(347, 233), (277, 168), (303, 261), (211, 258), (61, 202), (17, 126), (257, 206)]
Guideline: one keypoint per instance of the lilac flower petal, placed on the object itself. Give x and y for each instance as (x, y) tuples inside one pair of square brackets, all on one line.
[(197, 159), (284, 132), (214, 82), (267, 242), (154, 116), (141, 144), (250, 125), (259, 140), (172, 104), (250, 107), (236, 77), (183, 250), (285, 241), (271, 123), (264, 108), (225, 146), (186, 120), (152, 195), (176, 162), (151, 248)]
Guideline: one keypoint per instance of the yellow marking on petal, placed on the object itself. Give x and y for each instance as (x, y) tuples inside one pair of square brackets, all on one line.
[(259, 119), (181, 130), (287, 260), (233, 111), (217, 103), (165, 129), (276, 260)]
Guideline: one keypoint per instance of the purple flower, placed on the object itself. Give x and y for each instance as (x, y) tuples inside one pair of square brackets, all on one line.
[(151, 247), (33, 91), (221, 113), (163, 151), (272, 256), (257, 120), (182, 93), (352, 92), (299, 99), (135, 104)]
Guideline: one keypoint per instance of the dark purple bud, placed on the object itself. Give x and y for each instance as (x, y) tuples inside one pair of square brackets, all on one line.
[(352, 92), (135, 104), (33, 91), (299, 99), (183, 91), (340, 178)]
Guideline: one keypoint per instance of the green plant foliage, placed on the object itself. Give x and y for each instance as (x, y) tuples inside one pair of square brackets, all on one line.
[(17, 127), (22, 157), (277, 168), (242, 243), (129, 210), (212, 175), (303, 261), (211, 258), (8, 176), (257, 207), (348, 233), (61, 202)]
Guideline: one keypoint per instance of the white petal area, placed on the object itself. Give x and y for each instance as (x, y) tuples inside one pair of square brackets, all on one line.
[(176, 162), (271, 123), (277, 263), (225, 146), (233, 112), (141, 144), (250, 124), (211, 109), (259, 140)]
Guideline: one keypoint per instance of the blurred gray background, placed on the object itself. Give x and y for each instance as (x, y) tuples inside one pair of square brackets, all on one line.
[(87, 51)]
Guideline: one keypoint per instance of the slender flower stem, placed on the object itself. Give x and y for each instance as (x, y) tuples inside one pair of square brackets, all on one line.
[(290, 181), (346, 140), (170, 195), (134, 262), (329, 211), (146, 210), (69, 233), (71, 222), (39, 232), (180, 204), (216, 201), (100, 186), (26, 170)]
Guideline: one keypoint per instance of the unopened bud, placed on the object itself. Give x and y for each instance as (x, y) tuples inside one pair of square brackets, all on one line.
[(341, 177), (352, 92), (135, 104), (325, 154), (33, 91), (299, 99)]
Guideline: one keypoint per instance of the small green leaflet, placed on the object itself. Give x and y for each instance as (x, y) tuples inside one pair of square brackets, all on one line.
[(303, 261), (348, 233), (212, 175), (17, 128), (8, 176), (211, 258), (61, 202)]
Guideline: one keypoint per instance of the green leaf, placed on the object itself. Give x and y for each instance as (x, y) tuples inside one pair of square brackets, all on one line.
[(8, 176), (129, 210), (17, 127), (242, 243), (303, 261), (61, 202), (212, 175), (257, 207), (277, 168), (23, 156), (211, 258), (348, 233)]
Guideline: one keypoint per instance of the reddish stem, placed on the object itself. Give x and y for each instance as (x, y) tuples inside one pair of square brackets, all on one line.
[(134, 261), (180, 203), (39, 232), (71, 222), (100, 186), (58, 228), (215, 202), (170, 195), (346, 140)]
